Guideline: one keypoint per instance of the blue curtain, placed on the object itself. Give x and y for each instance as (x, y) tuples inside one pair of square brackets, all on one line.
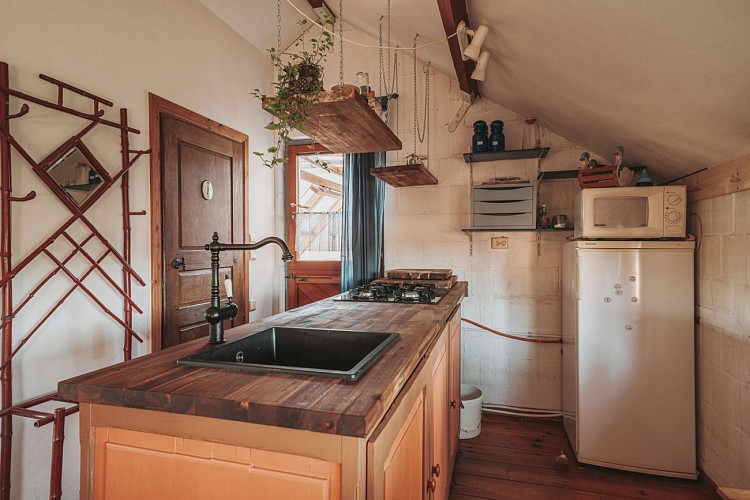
[(362, 220)]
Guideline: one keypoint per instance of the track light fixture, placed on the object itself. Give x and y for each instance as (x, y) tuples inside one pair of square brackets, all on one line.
[(481, 68), (471, 50)]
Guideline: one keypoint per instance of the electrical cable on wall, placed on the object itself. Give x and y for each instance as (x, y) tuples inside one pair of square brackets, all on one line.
[(514, 337)]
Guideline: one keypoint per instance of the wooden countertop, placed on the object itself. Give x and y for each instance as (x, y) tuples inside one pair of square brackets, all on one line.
[(334, 406)]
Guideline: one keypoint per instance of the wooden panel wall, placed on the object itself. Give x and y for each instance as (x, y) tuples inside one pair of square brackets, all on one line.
[(721, 179)]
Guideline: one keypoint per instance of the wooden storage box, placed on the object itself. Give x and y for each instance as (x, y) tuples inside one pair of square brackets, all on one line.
[(503, 206)]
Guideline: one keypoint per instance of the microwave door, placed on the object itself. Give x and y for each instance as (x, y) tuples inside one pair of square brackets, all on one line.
[(627, 216), (622, 212)]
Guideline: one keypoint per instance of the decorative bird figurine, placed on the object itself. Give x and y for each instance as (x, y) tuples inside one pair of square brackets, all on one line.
[(585, 156), (619, 153)]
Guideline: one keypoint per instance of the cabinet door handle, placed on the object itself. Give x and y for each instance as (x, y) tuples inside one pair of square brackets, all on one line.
[(453, 404), (436, 470), (431, 485)]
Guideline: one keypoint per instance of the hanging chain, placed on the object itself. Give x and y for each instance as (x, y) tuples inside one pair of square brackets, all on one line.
[(426, 121), (341, 44), (424, 134), (389, 43), (278, 28), (426, 111), (381, 76), (416, 117)]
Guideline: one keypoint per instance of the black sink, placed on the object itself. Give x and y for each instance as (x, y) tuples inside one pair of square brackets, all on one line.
[(305, 351)]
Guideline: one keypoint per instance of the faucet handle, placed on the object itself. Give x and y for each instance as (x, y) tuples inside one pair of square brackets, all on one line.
[(228, 287)]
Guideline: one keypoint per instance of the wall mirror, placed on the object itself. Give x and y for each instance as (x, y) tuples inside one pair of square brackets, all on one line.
[(78, 173)]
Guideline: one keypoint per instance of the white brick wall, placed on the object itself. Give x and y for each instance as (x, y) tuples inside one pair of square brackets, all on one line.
[(511, 290), (723, 337)]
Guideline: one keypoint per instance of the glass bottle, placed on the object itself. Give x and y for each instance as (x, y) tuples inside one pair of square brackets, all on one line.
[(544, 222), (363, 82), (531, 136)]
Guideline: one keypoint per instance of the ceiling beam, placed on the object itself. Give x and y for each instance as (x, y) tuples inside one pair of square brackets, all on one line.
[(452, 12), (321, 9)]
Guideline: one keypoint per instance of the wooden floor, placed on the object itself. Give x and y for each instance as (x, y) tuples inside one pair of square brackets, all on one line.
[(515, 459)]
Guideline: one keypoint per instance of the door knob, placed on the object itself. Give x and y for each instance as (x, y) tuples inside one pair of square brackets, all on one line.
[(179, 262), (431, 485), (436, 470), (453, 404)]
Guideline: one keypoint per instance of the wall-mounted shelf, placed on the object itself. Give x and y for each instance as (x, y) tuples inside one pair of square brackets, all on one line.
[(557, 174), (501, 230), (405, 175), (514, 154)]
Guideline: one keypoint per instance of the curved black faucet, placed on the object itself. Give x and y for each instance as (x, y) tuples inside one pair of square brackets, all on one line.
[(216, 313)]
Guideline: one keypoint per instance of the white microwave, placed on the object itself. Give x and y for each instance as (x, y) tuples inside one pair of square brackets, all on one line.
[(631, 212)]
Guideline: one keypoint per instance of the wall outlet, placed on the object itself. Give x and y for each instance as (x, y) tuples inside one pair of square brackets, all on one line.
[(253, 304), (499, 243)]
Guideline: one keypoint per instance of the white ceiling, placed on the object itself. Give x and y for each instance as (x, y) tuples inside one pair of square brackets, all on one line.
[(667, 79)]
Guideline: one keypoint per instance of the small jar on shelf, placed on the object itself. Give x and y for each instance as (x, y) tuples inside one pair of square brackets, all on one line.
[(544, 220)]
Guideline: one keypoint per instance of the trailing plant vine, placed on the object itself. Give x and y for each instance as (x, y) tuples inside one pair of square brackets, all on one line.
[(299, 83)]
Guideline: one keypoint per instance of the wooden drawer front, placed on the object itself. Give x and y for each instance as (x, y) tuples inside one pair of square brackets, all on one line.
[(503, 207), (131, 464), (483, 193), (507, 220)]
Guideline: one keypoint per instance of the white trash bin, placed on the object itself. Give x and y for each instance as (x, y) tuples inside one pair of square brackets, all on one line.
[(471, 412)]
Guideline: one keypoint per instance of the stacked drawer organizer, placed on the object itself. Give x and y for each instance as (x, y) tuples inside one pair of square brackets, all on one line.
[(503, 206)]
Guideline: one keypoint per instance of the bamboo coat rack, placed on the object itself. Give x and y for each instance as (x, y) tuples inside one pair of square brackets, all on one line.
[(94, 181)]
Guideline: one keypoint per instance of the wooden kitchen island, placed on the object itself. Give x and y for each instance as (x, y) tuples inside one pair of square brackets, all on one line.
[(151, 429)]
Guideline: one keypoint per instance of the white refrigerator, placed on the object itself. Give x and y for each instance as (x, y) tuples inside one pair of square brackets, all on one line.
[(628, 355)]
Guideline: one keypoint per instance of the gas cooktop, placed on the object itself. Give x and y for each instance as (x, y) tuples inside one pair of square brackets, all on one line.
[(392, 292)]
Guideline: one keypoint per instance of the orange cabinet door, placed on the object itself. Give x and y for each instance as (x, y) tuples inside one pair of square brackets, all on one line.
[(396, 451), (132, 464), (455, 388), (439, 466)]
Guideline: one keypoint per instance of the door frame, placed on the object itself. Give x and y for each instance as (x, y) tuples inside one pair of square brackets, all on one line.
[(320, 268), (158, 106)]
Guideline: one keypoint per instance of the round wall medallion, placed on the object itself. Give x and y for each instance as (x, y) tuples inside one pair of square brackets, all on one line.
[(207, 189)]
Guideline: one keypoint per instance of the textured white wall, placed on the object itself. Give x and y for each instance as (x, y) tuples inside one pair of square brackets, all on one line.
[(176, 49), (723, 337), (511, 290)]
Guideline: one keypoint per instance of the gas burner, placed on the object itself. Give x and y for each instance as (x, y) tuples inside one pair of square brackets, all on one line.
[(391, 292)]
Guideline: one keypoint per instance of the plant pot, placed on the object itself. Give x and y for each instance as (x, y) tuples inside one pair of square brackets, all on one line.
[(306, 78)]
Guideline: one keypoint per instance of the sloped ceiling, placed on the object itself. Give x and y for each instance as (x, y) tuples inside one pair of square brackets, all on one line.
[(669, 79)]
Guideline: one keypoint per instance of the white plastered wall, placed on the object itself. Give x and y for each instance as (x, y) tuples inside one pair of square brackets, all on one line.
[(176, 49), (723, 337), (512, 290)]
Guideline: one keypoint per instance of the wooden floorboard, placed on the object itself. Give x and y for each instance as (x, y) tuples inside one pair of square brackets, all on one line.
[(514, 458)]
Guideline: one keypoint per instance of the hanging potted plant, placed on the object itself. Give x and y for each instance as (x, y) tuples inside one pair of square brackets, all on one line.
[(299, 83)]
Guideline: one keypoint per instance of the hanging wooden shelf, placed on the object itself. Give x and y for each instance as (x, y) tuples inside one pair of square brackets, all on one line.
[(513, 154), (405, 175), (343, 122)]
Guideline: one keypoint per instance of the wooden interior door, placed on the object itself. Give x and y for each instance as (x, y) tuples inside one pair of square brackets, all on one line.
[(202, 191), (314, 196)]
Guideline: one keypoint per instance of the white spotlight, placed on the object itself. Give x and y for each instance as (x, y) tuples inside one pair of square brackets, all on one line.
[(477, 39), (479, 71)]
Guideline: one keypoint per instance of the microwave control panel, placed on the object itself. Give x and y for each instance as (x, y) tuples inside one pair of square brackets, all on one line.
[(675, 204)]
